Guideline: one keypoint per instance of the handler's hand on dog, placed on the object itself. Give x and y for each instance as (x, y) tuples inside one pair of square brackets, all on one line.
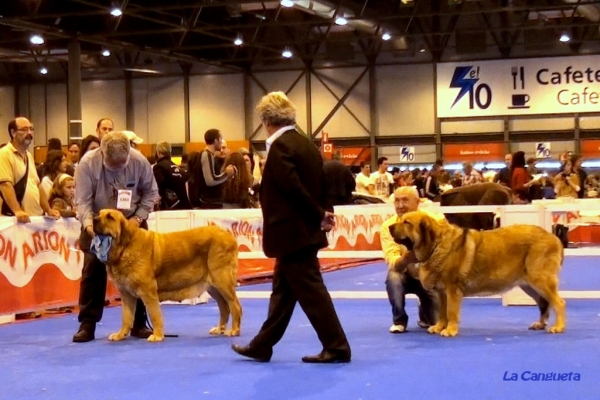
[(328, 222), (90, 230)]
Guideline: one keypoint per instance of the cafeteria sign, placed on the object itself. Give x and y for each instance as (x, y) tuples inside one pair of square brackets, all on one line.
[(519, 87)]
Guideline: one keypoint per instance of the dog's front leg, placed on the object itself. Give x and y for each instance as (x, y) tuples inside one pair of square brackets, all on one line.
[(127, 310), (442, 313), (154, 312), (453, 300)]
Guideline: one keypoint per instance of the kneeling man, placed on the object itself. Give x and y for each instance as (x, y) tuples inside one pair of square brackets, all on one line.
[(403, 274)]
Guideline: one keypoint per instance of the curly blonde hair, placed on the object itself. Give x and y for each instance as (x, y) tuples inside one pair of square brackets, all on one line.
[(276, 109)]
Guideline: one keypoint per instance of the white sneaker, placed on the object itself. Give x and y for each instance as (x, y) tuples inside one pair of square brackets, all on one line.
[(397, 329)]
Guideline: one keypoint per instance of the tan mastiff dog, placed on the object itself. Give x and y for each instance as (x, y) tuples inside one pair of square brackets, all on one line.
[(171, 266), (458, 262)]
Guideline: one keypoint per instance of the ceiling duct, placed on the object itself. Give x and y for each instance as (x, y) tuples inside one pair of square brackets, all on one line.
[(589, 11), (325, 9)]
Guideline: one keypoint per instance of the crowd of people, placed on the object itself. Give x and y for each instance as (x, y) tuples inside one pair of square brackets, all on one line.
[(522, 176)]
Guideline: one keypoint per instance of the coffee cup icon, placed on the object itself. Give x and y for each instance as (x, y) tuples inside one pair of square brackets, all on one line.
[(520, 100)]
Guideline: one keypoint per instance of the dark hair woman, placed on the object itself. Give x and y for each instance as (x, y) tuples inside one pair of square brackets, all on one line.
[(236, 191)]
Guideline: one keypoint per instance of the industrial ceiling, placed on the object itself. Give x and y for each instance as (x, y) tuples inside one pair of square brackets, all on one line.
[(172, 37)]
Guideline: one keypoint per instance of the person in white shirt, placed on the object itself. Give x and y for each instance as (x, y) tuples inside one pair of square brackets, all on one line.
[(364, 184), (381, 179)]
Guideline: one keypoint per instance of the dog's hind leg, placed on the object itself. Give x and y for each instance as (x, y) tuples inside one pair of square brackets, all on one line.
[(223, 311), (543, 305), (442, 321), (128, 310), (227, 290), (547, 286)]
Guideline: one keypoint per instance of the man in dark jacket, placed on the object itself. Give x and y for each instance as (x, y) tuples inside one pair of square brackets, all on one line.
[(339, 182), (294, 225), (170, 180)]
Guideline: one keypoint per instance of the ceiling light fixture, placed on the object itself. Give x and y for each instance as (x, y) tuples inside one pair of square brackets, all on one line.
[(386, 36), (116, 12), (43, 70), (142, 70), (341, 21), (106, 53), (422, 49), (36, 39), (238, 41), (565, 38), (287, 3), (287, 53)]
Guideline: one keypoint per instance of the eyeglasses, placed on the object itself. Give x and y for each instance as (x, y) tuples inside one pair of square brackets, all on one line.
[(25, 129)]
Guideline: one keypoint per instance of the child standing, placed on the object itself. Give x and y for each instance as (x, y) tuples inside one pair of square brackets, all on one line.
[(62, 196)]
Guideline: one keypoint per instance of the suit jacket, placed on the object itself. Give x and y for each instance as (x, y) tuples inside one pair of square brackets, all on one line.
[(292, 196)]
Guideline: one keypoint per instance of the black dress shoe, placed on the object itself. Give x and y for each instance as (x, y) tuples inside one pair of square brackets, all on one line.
[(142, 333), (86, 333), (326, 357), (255, 353)]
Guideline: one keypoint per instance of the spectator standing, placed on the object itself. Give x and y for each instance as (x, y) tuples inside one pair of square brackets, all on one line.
[(22, 193), (339, 182), (170, 180), (576, 161), (382, 179), (364, 183)]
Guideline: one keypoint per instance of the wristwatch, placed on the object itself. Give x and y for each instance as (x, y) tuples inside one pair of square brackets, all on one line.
[(139, 219)]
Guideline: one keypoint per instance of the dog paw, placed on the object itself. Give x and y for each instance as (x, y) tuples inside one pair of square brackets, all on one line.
[(155, 338), (437, 328), (556, 329), (232, 332), (537, 326), (449, 332), (217, 330), (117, 336)]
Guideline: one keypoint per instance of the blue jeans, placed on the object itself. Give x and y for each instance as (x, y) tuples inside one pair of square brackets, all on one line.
[(398, 285)]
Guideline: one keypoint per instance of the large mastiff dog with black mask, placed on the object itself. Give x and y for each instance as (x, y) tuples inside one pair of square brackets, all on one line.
[(171, 266), (457, 262)]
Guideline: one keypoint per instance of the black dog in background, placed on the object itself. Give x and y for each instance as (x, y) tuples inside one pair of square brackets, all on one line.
[(481, 194)]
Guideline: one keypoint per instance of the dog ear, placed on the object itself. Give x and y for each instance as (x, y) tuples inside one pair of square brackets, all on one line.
[(125, 231), (426, 231)]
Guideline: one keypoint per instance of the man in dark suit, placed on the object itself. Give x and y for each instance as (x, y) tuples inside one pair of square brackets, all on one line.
[(292, 198)]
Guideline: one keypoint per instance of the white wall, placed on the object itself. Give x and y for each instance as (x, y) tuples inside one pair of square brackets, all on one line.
[(341, 124), (158, 108), (405, 100), (102, 99), (217, 101)]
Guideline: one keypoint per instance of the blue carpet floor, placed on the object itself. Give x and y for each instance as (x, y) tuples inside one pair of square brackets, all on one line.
[(38, 360)]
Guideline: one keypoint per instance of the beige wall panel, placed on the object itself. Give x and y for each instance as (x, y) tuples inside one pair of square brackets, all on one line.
[(37, 114), (589, 122), (556, 148), (158, 108), (541, 124), (280, 81), (102, 99), (474, 127), (57, 118), (7, 109), (342, 124), (405, 98), (217, 101)]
